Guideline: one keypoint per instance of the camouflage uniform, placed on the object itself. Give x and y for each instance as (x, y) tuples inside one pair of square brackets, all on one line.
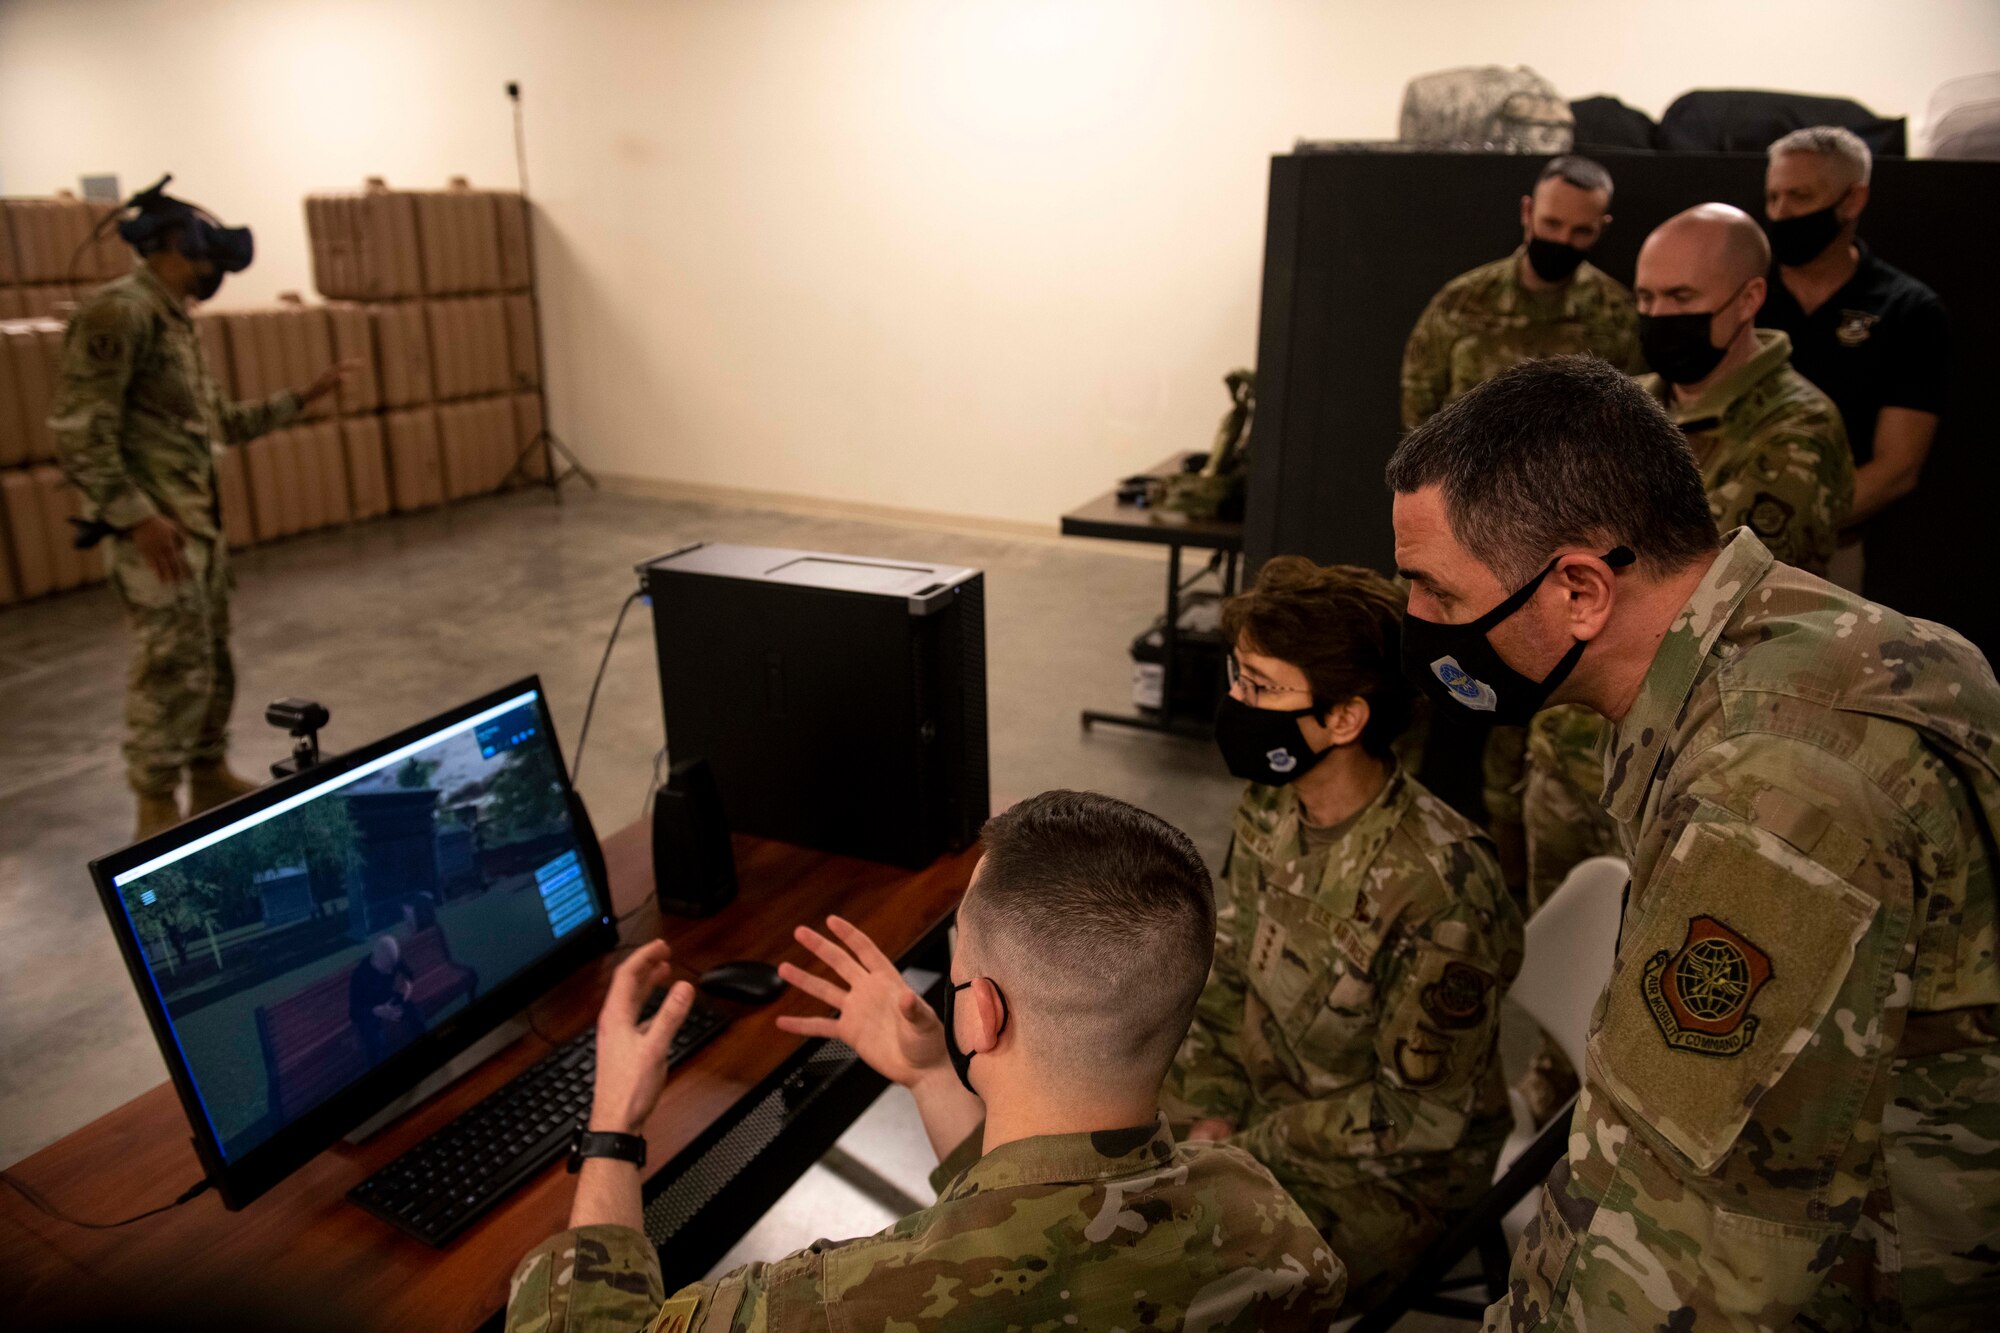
[(1773, 456), (1118, 1229), (137, 419), (1792, 1094), (1348, 1026), (1485, 321)]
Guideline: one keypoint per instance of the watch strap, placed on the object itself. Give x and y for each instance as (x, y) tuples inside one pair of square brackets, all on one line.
[(596, 1143)]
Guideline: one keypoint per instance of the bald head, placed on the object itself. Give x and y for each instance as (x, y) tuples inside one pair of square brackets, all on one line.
[(385, 953), (1700, 258)]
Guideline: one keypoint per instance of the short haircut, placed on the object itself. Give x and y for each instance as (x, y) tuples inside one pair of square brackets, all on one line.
[(1581, 172), (1097, 921), (1844, 146), (1342, 626), (1562, 452)]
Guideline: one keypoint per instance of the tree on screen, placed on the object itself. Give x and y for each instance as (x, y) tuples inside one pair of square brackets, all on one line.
[(527, 797)]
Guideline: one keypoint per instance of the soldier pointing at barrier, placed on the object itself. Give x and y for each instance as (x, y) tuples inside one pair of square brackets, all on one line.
[(137, 419)]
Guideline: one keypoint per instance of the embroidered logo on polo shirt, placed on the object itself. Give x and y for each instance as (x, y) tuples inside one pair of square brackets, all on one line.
[(1700, 995), (1855, 326)]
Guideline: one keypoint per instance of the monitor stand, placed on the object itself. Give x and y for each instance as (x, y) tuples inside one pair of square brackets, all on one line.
[(453, 1070)]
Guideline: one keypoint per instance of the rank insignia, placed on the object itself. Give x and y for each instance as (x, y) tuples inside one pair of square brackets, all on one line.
[(1700, 995)]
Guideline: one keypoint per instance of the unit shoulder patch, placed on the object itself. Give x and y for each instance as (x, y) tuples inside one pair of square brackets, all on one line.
[(1700, 994)]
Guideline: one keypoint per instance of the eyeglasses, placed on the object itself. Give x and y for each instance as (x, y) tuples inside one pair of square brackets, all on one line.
[(1252, 691)]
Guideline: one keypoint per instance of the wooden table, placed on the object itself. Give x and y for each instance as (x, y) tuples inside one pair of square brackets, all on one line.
[(303, 1248), (1106, 518)]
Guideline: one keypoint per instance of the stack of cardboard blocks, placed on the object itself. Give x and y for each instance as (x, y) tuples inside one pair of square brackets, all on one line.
[(441, 279), (48, 257), (428, 292)]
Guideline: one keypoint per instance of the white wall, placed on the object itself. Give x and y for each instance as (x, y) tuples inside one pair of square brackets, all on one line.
[(962, 256)]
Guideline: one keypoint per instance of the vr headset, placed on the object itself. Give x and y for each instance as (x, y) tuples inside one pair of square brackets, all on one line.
[(157, 219)]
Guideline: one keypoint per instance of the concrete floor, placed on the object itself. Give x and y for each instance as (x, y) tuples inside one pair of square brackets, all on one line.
[(388, 622)]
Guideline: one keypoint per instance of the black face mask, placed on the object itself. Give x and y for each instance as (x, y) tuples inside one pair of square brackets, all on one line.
[(1552, 261), (1264, 745), (1456, 664), (1679, 346), (1800, 240), (961, 1059), (206, 285)]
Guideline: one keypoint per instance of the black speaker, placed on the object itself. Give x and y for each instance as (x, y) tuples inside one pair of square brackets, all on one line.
[(694, 867)]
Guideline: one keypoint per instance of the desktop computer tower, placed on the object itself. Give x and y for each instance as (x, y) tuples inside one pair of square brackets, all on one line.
[(840, 701)]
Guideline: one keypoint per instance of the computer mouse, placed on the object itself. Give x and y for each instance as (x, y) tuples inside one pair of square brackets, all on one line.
[(746, 982)]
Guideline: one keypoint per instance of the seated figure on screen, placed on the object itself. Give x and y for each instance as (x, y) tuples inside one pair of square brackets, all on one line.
[(1346, 1035), (1063, 1199), (378, 999)]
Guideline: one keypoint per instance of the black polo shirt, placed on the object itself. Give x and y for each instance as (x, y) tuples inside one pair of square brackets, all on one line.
[(1880, 341)]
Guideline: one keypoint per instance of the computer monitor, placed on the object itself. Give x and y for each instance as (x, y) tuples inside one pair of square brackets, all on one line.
[(308, 953)]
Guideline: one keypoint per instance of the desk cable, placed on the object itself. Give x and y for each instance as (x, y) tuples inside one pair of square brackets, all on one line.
[(35, 1199), (583, 733)]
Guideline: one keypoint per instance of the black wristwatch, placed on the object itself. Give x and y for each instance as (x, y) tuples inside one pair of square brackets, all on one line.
[(590, 1143)]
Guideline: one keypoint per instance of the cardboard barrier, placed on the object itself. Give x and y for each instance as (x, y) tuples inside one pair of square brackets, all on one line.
[(15, 353), (306, 335), (28, 531), (523, 363), (364, 246), (416, 466), (32, 351), (10, 587), (458, 229), (510, 213), (527, 428), (213, 331), (51, 241), (367, 466), (60, 502), (10, 269), (232, 489), (402, 353), (48, 300), (478, 443), (469, 350), (353, 336)]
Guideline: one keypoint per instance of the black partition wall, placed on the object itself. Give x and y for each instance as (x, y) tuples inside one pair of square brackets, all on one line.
[(1355, 244)]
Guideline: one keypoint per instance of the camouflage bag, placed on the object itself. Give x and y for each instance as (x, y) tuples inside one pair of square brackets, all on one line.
[(1217, 489), (1487, 108)]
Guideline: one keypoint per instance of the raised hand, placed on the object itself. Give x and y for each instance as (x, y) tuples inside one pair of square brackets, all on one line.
[(876, 1012), (632, 1056)]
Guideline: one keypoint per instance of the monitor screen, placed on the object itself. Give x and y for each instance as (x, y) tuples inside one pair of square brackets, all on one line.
[(310, 940)]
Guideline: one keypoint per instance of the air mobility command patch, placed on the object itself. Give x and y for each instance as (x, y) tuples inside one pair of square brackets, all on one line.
[(1700, 994)]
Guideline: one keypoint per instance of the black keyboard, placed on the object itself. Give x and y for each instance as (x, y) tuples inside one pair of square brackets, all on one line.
[(450, 1180)]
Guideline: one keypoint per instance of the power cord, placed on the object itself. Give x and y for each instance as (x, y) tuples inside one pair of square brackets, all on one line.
[(583, 733), (35, 1199)]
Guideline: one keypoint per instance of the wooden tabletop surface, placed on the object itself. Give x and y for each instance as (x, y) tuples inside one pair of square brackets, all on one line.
[(303, 1248)]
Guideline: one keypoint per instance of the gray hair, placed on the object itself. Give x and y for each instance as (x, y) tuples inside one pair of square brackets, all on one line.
[(1844, 146), (1560, 453)]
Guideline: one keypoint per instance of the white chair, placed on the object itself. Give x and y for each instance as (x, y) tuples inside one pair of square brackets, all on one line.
[(1570, 946), (1565, 962)]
